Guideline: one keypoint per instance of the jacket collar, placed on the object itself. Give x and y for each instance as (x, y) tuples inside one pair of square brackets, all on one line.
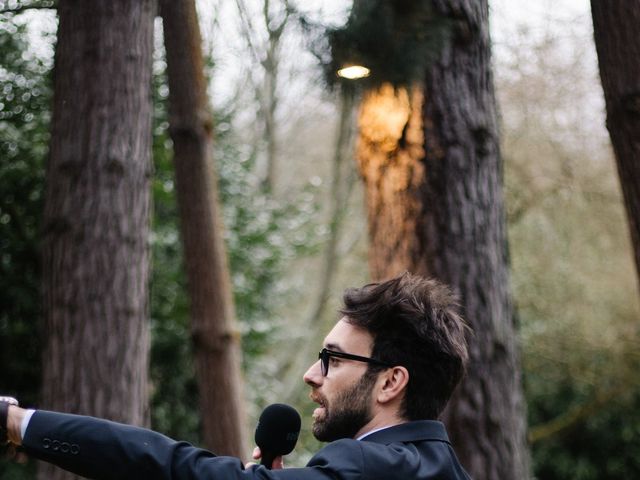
[(419, 430)]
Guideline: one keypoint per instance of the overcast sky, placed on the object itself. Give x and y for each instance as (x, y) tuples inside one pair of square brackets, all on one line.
[(539, 16), (506, 16)]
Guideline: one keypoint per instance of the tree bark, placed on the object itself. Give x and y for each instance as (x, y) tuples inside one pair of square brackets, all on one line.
[(390, 155), (96, 218), (431, 164), (216, 340), (616, 25)]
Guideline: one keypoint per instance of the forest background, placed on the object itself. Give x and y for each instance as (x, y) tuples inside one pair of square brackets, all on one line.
[(572, 273)]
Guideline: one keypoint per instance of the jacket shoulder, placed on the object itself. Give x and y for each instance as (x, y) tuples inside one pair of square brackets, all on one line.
[(344, 457)]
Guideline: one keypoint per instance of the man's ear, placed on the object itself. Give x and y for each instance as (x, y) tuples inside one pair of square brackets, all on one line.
[(393, 383)]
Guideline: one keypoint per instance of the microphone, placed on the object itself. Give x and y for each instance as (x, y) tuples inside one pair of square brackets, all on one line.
[(277, 432)]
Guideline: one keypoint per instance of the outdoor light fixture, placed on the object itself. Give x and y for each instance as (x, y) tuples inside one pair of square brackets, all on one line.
[(353, 72)]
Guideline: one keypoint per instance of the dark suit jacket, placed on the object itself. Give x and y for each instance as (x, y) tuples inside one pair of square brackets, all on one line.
[(105, 450)]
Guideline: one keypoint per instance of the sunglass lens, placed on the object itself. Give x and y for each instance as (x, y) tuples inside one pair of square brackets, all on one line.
[(324, 362)]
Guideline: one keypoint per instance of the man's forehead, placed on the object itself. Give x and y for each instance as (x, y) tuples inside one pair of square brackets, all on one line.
[(349, 338)]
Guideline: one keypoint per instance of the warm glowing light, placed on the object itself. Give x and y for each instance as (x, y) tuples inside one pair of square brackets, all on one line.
[(354, 72)]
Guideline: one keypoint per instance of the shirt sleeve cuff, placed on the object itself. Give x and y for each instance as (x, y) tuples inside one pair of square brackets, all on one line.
[(25, 422)]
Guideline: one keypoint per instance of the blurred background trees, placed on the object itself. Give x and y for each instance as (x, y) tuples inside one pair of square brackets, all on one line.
[(572, 276), (25, 86), (214, 335), (573, 273), (97, 207)]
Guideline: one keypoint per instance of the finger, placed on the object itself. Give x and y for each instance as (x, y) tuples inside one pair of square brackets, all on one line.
[(278, 463), (250, 464), (257, 454)]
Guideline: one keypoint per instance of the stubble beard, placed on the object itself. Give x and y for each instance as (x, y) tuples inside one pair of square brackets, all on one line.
[(348, 413)]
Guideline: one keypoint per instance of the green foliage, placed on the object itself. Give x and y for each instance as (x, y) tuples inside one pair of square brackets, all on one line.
[(24, 117), (262, 234), (605, 445), (174, 396), (395, 39), (573, 275), (25, 91)]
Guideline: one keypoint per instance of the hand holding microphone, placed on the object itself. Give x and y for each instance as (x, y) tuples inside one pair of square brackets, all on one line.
[(277, 432)]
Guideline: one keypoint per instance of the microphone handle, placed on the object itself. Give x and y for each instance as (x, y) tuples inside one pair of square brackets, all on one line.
[(267, 459)]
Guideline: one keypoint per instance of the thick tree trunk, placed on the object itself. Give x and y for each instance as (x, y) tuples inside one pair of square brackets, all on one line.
[(390, 156), (96, 219), (216, 340), (616, 27), (431, 163)]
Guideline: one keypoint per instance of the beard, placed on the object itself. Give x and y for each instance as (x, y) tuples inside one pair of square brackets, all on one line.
[(348, 413)]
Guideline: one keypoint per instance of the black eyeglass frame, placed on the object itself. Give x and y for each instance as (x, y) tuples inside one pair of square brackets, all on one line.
[(325, 354)]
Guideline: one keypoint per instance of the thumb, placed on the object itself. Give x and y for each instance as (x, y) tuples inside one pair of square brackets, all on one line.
[(257, 454)]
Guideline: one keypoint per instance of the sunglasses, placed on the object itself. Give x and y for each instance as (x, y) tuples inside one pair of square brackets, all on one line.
[(325, 355)]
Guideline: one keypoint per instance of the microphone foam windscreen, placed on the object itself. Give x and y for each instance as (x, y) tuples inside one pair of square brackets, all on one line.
[(278, 429)]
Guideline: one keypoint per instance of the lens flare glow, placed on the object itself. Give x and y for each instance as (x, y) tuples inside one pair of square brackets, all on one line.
[(353, 72)]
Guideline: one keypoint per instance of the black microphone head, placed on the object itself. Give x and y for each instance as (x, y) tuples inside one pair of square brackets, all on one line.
[(278, 429)]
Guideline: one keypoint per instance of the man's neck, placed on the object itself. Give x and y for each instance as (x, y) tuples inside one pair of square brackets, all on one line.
[(378, 423)]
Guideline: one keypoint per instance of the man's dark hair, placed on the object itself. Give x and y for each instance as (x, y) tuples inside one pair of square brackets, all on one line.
[(415, 323)]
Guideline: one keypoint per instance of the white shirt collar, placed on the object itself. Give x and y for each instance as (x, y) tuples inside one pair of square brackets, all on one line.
[(373, 431)]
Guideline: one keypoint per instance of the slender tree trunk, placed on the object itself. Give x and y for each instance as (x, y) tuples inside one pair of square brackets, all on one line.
[(268, 97), (268, 109), (269, 100), (96, 219), (216, 340), (342, 179), (431, 164), (616, 27)]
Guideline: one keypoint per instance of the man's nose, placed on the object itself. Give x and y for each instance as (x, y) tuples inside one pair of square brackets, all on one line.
[(313, 376)]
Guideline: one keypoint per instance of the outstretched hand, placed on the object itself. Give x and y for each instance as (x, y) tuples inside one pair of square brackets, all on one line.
[(278, 462)]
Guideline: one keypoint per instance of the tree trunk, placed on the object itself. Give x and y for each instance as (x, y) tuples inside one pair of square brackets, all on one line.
[(616, 27), (96, 218), (431, 164), (269, 96), (390, 156), (216, 340)]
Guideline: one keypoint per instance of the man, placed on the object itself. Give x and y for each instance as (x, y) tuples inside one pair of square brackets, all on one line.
[(384, 375)]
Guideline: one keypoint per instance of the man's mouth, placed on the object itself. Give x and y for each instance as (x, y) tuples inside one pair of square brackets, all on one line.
[(319, 412)]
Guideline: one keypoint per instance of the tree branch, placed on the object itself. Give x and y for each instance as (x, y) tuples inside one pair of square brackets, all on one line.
[(247, 29), (572, 417)]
